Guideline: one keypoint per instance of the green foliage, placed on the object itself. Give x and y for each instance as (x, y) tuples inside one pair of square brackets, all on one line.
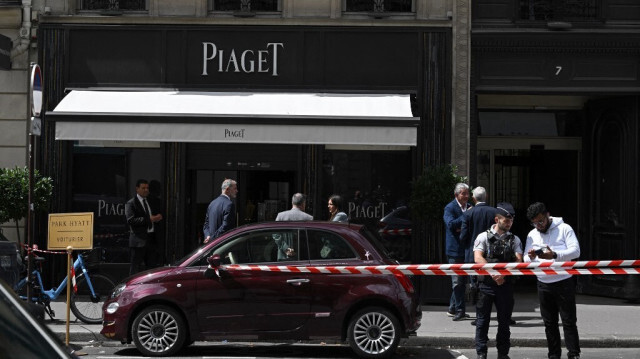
[(432, 191), (14, 193)]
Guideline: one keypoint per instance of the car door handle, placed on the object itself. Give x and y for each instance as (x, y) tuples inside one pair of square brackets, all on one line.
[(298, 281)]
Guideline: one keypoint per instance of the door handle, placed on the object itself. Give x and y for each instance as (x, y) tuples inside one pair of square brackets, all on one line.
[(297, 282)]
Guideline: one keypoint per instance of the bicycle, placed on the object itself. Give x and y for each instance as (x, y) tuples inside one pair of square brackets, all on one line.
[(86, 304)]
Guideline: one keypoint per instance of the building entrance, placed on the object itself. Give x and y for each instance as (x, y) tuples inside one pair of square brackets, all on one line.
[(523, 171), (261, 195)]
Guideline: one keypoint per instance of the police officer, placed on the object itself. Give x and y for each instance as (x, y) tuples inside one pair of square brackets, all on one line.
[(496, 245)]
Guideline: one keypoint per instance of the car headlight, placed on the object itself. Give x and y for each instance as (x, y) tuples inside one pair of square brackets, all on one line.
[(118, 290), (112, 307)]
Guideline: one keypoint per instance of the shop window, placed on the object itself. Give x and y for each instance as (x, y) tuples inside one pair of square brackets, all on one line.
[(375, 187), (114, 6), (379, 6), (244, 7), (558, 10)]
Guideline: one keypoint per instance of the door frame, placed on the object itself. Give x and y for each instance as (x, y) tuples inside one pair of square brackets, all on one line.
[(493, 143)]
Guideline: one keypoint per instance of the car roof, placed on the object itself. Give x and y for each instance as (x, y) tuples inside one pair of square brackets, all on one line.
[(298, 224)]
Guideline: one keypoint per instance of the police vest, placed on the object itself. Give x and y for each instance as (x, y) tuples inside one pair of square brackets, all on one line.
[(500, 250)]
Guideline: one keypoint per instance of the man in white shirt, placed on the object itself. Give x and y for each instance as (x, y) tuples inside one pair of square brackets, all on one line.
[(553, 240)]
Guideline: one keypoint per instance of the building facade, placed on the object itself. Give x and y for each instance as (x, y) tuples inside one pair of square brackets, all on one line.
[(554, 98), (185, 94)]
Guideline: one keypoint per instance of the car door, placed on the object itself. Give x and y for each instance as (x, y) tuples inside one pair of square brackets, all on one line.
[(250, 302), (332, 293)]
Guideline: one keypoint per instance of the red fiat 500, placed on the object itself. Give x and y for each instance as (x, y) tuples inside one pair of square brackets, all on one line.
[(164, 309)]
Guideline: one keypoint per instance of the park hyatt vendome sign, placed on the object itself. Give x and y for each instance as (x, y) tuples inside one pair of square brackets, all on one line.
[(244, 60)]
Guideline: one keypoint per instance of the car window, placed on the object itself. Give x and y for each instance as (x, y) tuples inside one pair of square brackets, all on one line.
[(327, 245), (258, 247)]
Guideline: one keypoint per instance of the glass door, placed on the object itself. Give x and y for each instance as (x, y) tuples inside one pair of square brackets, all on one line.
[(527, 170)]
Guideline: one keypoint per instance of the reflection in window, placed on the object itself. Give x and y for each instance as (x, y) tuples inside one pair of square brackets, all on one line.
[(326, 245), (113, 5), (530, 123), (261, 247), (379, 5), (558, 10), (245, 5)]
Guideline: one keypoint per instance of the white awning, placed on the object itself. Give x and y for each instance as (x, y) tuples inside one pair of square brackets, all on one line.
[(182, 116)]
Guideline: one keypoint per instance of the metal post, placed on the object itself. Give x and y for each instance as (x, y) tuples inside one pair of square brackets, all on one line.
[(30, 215), (69, 284)]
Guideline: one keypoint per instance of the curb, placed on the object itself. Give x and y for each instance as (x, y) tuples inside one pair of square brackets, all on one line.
[(469, 343), (430, 341)]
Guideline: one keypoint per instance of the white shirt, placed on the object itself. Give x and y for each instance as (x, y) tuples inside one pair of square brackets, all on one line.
[(147, 209), (561, 239)]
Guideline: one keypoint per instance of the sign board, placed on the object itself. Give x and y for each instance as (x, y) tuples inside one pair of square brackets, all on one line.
[(5, 52), (71, 229), (36, 91)]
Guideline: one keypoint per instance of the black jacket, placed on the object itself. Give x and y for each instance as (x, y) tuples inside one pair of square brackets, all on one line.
[(138, 222)]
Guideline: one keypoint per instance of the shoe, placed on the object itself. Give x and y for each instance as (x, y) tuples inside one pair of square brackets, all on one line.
[(473, 322), (482, 356), (451, 314), (460, 316), (573, 356), (504, 356)]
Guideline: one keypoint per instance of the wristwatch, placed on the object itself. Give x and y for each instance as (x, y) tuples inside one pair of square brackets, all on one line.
[(555, 255)]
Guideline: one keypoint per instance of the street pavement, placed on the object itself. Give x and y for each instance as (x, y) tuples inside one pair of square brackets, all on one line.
[(602, 323)]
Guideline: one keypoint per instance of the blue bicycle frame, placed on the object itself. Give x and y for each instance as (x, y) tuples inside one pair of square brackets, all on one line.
[(54, 293)]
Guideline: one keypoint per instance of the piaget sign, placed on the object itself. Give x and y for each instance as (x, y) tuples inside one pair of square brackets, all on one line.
[(248, 61), (71, 229)]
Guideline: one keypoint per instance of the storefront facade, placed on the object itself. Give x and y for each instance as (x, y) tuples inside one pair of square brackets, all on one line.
[(555, 119), (320, 110)]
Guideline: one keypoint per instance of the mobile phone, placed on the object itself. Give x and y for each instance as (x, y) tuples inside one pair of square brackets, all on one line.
[(539, 251)]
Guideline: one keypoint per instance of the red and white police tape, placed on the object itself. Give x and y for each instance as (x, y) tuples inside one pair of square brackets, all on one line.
[(532, 268), (36, 250), (396, 232)]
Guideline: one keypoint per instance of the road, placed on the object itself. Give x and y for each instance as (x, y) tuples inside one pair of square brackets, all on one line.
[(300, 351)]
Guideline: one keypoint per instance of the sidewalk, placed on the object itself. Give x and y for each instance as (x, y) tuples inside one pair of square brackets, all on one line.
[(602, 322)]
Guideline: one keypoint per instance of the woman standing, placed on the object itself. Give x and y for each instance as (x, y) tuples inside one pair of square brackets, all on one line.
[(335, 209)]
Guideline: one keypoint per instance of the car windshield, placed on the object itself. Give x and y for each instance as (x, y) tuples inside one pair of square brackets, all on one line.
[(374, 239), (197, 250)]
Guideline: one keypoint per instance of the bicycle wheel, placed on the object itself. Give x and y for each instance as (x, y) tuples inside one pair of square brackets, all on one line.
[(86, 307)]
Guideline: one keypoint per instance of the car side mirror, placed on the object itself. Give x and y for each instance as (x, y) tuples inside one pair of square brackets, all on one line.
[(212, 270), (214, 261)]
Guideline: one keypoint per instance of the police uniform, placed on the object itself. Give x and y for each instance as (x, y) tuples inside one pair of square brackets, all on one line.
[(496, 249)]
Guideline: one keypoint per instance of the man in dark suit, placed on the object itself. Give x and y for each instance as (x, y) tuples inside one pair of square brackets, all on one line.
[(476, 220), (141, 219), (455, 250), (221, 213)]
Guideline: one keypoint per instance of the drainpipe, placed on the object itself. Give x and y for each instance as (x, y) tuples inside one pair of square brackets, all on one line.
[(25, 31)]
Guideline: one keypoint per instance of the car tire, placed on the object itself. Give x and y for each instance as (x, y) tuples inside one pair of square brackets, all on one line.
[(159, 331), (374, 332)]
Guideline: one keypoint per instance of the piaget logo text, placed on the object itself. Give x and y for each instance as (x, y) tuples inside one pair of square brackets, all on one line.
[(247, 61)]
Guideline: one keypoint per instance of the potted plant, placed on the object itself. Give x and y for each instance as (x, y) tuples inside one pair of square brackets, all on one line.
[(430, 193)]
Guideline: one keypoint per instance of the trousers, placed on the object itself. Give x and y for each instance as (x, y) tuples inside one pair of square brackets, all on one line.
[(502, 297), (559, 298), (457, 301)]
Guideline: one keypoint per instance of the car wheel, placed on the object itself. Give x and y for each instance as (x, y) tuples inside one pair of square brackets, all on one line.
[(159, 331), (374, 333)]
